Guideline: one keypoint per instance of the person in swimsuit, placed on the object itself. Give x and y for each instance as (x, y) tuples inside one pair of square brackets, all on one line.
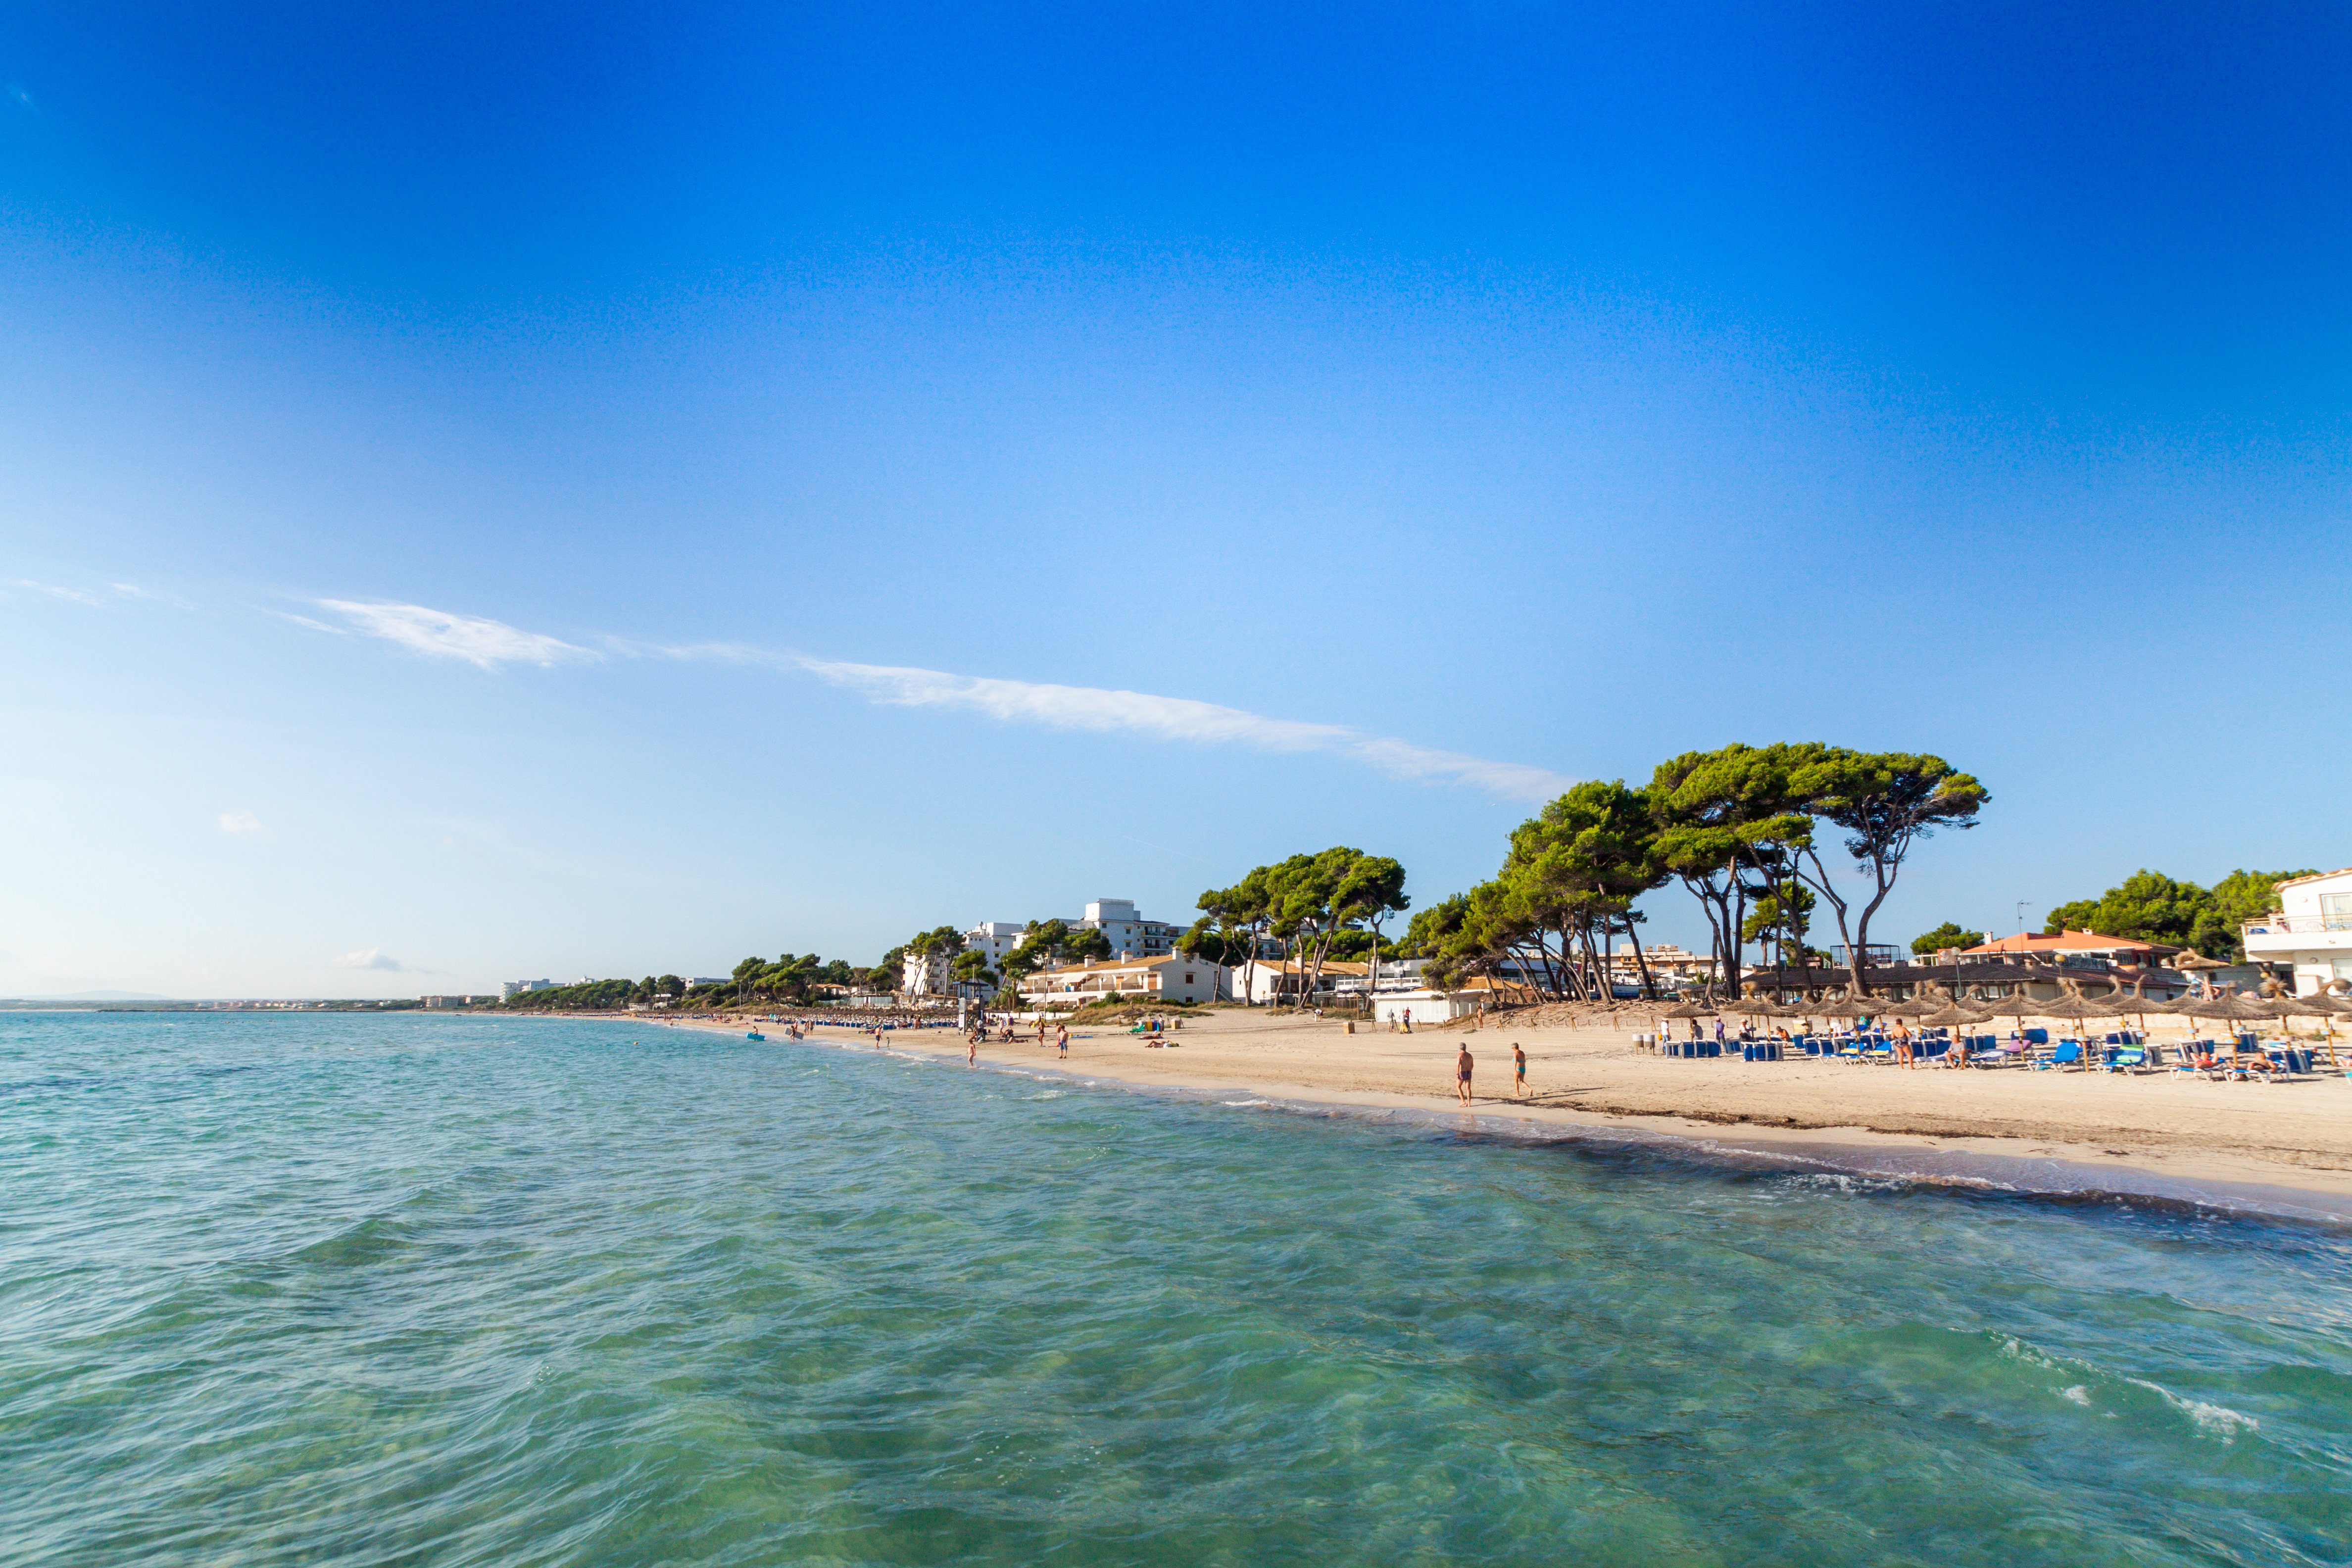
[(1462, 1065), (1519, 1067), (1062, 1039), (971, 1050)]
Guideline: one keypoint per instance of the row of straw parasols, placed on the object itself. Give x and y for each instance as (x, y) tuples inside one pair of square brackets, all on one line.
[(2074, 1008)]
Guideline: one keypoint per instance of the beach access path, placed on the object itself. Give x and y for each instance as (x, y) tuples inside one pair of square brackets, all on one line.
[(2295, 1135)]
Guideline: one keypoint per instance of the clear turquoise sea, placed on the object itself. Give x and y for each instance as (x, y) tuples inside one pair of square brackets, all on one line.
[(417, 1290)]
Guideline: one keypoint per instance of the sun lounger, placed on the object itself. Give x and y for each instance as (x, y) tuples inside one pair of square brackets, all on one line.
[(2064, 1057)]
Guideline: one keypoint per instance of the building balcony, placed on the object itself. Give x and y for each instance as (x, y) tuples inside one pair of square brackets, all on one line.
[(2283, 934)]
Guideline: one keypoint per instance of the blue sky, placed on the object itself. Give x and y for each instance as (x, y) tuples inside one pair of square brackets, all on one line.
[(498, 491)]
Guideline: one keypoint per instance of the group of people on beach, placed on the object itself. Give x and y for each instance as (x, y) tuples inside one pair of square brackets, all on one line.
[(979, 1032), (1465, 1064)]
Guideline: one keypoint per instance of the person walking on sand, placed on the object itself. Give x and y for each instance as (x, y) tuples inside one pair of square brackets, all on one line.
[(1062, 1039), (1519, 1070), (1463, 1063)]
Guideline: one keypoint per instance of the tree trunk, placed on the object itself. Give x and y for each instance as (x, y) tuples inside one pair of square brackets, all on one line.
[(1861, 927), (1640, 960), (1820, 881)]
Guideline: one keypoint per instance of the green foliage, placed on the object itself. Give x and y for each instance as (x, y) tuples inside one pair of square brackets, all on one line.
[(1944, 936), (790, 978), (938, 939), (1213, 944), (1305, 903), (2244, 896), (588, 996), (1782, 914), (2149, 906), (1045, 943)]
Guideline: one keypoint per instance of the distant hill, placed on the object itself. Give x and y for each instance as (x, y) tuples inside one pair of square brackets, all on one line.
[(98, 997)]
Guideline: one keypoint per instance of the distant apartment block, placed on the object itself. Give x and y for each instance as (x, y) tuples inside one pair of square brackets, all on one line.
[(1128, 933)]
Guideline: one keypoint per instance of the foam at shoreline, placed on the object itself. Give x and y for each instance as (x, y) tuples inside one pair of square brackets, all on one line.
[(1894, 1160)]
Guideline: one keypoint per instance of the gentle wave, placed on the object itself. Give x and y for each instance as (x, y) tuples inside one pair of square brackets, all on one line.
[(439, 1292)]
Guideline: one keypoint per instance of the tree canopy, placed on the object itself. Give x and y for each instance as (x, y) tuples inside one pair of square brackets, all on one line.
[(1944, 936), (1738, 826), (1304, 905), (2149, 906), (1048, 943)]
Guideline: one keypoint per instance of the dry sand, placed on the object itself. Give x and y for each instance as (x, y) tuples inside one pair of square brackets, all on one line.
[(2188, 1132)]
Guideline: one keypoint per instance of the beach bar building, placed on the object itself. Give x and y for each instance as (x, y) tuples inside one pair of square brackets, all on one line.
[(1286, 978), (2311, 930), (1425, 1006)]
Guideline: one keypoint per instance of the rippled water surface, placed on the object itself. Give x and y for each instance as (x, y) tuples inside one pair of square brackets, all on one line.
[(391, 1291)]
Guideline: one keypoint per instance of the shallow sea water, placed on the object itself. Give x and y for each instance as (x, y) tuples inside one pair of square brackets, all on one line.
[(418, 1290)]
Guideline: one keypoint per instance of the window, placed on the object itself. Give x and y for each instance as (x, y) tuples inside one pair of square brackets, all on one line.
[(2336, 911)]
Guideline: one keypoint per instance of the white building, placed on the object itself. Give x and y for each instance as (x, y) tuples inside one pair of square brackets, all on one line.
[(2311, 929), (1284, 979), (994, 938), (1172, 979), (1128, 933), (509, 989), (1419, 1007), (926, 974)]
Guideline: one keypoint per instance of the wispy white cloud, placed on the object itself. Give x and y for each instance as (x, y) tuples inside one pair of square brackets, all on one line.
[(307, 621), (242, 825), (438, 633), (115, 592), (152, 595), (370, 958), (1169, 718), (74, 596), (1092, 707)]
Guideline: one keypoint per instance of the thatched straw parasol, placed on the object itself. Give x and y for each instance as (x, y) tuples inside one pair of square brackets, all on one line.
[(1842, 1007), (1690, 1010), (2232, 1009), (2075, 1009)]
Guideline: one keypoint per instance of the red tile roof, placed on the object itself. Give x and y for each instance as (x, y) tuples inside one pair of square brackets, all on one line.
[(2066, 941)]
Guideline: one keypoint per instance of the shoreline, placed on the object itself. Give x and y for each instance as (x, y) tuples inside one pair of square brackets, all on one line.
[(2048, 1164)]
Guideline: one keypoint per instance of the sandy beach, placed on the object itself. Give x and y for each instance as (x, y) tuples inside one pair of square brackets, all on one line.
[(2177, 1132)]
